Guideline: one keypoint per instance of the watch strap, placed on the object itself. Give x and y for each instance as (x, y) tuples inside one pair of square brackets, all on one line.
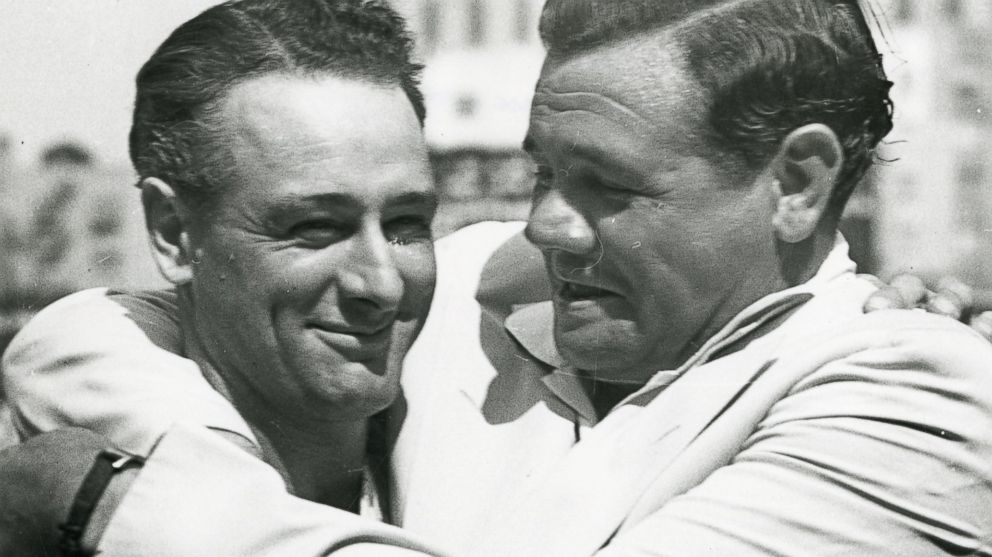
[(108, 463)]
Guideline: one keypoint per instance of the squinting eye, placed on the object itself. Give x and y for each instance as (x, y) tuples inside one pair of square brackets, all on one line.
[(408, 230), (318, 232), (612, 186)]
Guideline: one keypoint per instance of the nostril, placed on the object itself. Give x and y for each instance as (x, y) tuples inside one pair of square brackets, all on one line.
[(538, 233), (574, 237), (379, 286)]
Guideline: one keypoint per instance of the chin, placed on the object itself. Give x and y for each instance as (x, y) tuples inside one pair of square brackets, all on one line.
[(600, 345), (354, 390), (590, 357), (353, 405)]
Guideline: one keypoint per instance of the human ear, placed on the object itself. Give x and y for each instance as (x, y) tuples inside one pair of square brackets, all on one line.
[(167, 231), (805, 171)]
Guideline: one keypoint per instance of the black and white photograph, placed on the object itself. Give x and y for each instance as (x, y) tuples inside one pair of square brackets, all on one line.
[(495, 278)]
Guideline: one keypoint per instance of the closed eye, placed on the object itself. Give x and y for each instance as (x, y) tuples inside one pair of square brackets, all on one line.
[(318, 233)]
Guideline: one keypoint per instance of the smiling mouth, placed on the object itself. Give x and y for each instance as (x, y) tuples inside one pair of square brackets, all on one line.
[(356, 345)]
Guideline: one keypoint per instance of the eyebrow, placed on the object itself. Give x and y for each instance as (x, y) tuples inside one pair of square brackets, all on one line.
[(427, 200), (590, 151), (291, 203)]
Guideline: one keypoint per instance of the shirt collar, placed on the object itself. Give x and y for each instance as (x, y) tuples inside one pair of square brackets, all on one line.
[(532, 325)]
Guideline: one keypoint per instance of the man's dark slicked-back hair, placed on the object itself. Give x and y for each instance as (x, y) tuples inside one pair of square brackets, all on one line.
[(765, 68), (174, 134)]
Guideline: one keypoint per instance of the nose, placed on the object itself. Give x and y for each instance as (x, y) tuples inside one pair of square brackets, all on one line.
[(370, 274), (556, 224)]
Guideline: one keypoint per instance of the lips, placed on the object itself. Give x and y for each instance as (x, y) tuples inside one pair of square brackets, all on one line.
[(356, 343), (576, 291)]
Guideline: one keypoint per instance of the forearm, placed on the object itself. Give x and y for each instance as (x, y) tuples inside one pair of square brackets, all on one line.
[(106, 507), (882, 453), (198, 495), (38, 483)]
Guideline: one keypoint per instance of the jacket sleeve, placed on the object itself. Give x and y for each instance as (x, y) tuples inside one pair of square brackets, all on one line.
[(887, 451), (198, 495), (88, 361)]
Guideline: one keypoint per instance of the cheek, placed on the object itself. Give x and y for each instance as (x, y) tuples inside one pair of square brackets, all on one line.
[(666, 265), (225, 285), (293, 278), (239, 266), (417, 268)]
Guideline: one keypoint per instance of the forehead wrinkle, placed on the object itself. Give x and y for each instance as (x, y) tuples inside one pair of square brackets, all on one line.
[(643, 76), (548, 100)]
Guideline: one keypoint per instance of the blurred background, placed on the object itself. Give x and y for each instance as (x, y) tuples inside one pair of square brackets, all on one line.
[(70, 216)]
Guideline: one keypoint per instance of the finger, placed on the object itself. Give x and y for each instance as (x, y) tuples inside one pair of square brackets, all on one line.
[(911, 288), (952, 287), (885, 298), (877, 282), (943, 303), (982, 324)]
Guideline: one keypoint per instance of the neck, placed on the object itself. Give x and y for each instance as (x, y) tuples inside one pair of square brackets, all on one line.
[(800, 261), (325, 465), (606, 396), (321, 459)]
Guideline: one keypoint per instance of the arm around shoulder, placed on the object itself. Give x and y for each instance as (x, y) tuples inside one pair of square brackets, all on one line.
[(198, 495), (86, 362), (884, 451)]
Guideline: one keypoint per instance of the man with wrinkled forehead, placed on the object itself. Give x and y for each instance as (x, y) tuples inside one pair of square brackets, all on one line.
[(702, 381)]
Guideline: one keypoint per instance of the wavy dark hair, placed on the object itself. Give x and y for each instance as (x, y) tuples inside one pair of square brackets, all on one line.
[(175, 134), (764, 67)]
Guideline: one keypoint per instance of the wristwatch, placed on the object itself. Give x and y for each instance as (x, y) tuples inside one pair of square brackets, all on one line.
[(108, 463)]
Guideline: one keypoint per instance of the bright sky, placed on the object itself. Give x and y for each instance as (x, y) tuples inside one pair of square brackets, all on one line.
[(68, 67)]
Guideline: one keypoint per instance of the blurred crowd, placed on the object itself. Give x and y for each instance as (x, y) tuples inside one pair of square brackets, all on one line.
[(67, 223)]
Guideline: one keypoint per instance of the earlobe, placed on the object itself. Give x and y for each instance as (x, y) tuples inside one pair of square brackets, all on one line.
[(805, 171), (167, 231), (793, 223)]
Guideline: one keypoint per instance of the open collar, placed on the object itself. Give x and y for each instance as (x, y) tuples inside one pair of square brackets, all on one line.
[(532, 326)]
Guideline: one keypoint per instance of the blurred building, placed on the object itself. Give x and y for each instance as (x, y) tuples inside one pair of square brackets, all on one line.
[(66, 224), (936, 204), (482, 61)]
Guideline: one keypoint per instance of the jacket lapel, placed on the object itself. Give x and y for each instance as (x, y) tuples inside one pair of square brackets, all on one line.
[(593, 489)]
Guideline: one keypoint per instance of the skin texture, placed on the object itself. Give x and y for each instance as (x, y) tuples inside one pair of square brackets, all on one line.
[(304, 281), (651, 246), (314, 273)]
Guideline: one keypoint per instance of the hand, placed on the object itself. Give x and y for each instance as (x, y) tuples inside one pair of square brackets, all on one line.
[(38, 482), (951, 298)]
